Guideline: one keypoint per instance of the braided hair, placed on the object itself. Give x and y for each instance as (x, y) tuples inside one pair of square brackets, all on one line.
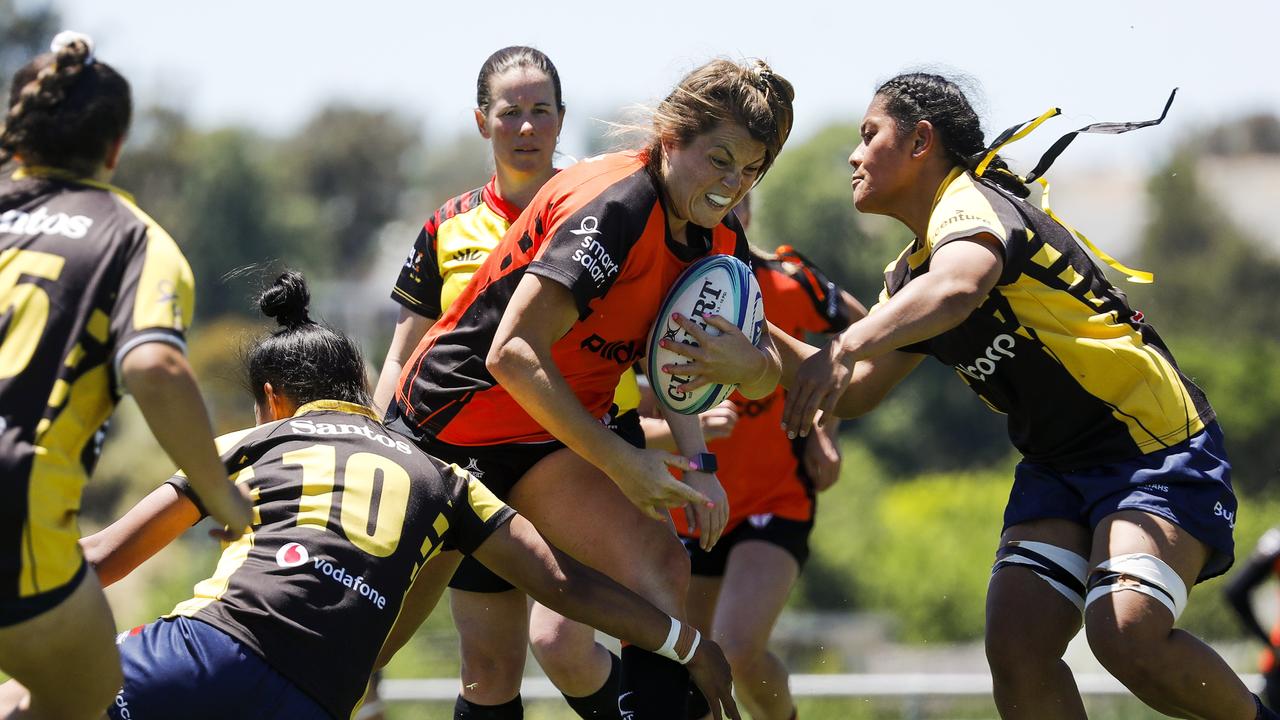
[(303, 359), (912, 97), (66, 109)]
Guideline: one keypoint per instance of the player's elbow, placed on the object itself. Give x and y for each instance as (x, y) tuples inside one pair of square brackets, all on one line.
[(957, 298), (510, 359), (501, 360), (152, 367)]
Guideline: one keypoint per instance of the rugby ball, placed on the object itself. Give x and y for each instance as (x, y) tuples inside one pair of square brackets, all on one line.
[(721, 285)]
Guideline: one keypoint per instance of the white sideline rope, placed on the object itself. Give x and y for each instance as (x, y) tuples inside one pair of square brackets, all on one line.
[(854, 685)]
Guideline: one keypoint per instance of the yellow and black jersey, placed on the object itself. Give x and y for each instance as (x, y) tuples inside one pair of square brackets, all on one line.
[(85, 277), (345, 514), (450, 248), (1084, 378)]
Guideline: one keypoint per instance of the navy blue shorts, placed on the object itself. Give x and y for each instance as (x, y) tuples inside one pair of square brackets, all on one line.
[(790, 535), (183, 668), (1188, 484)]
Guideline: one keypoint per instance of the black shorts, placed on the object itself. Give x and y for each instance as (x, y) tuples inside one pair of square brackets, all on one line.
[(500, 467), (16, 610), (790, 535)]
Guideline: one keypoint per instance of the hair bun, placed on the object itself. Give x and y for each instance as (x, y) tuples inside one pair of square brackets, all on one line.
[(66, 38), (287, 300)]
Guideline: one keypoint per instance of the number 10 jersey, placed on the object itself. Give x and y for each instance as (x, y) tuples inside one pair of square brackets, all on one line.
[(345, 514)]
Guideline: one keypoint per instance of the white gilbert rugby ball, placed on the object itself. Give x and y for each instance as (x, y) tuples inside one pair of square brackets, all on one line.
[(721, 285)]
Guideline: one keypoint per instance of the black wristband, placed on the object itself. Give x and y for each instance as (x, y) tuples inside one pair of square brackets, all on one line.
[(704, 462)]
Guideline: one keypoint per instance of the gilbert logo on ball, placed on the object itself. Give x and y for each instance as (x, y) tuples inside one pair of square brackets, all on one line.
[(291, 555), (721, 285)]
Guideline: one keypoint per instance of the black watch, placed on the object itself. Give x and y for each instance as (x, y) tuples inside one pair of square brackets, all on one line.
[(705, 462)]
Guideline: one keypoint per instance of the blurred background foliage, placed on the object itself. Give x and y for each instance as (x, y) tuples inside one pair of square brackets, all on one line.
[(908, 533)]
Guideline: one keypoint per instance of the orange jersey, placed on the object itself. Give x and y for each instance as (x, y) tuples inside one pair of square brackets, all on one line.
[(759, 467), (597, 228)]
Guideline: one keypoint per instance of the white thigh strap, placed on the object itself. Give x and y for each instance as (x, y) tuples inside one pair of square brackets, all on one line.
[(1062, 569), (1147, 574)]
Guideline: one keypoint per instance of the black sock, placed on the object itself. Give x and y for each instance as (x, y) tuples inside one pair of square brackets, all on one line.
[(698, 707), (464, 709), (1263, 712), (602, 703), (652, 687)]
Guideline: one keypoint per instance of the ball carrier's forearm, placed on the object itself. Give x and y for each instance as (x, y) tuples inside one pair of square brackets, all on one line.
[(520, 554)]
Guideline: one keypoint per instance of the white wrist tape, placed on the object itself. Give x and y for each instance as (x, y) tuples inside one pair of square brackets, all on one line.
[(668, 649)]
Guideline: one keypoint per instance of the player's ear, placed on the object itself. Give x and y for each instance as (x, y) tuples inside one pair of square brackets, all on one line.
[(275, 404), (482, 123)]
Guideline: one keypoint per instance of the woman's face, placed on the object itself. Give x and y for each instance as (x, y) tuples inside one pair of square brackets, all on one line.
[(523, 121), (882, 171), (711, 173)]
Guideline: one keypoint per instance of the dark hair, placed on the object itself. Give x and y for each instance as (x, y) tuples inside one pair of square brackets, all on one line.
[(303, 359), (66, 109), (516, 56), (725, 91), (912, 97)]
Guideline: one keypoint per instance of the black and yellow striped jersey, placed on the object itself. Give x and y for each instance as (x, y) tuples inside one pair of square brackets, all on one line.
[(1084, 379), (85, 277), (450, 248), (345, 513)]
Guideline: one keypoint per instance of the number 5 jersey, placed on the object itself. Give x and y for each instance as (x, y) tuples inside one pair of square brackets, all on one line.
[(85, 277)]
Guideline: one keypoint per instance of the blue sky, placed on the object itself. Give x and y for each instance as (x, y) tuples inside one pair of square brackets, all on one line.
[(270, 63)]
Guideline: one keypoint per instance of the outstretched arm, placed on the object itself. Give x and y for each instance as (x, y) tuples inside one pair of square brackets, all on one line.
[(145, 530), (961, 275)]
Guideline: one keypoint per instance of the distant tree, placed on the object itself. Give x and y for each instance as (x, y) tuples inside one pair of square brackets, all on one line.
[(1258, 133), (1212, 280), (24, 33), (211, 191), (444, 169), (353, 165)]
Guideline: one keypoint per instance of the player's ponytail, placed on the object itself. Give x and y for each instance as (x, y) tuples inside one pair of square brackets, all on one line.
[(303, 359), (66, 108)]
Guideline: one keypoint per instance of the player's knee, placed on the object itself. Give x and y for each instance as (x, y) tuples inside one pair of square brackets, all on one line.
[(743, 653), (498, 664), (1132, 603), (1018, 655), (674, 568), (1136, 666), (663, 577), (559, 653)]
